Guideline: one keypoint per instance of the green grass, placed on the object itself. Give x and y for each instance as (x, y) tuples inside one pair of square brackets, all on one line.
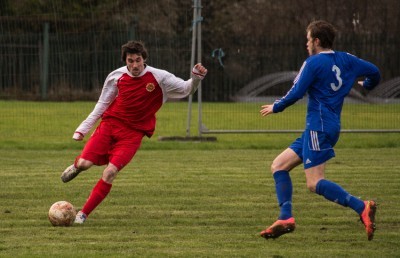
[(195, 203), (186, 199), (50, 125)]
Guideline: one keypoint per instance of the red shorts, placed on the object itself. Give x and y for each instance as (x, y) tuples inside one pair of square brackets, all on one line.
[(112, 142)]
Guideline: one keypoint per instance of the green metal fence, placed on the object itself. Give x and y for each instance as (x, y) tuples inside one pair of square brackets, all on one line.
[(49, 59)]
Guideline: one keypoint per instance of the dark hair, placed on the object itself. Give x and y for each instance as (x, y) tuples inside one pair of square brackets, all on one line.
[(133, 47), (324, 31)]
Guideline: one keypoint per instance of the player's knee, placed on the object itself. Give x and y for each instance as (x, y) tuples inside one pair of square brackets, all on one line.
[(276, 166), (109, 174), (83, 164), (272, 168)]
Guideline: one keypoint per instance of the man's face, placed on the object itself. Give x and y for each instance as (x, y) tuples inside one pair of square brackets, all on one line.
[(135, 63), (311, 47)]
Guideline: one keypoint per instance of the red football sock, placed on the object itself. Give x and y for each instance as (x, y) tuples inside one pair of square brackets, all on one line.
[(99, 192)]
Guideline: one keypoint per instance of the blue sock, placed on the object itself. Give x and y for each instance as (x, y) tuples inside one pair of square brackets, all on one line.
[(284, 190), (335, 193)]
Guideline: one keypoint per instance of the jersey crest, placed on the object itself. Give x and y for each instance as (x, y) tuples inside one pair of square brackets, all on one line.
[(150, 87)]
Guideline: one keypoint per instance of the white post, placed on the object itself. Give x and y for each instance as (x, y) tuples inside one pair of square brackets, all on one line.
[(199, 45), (194, 33)]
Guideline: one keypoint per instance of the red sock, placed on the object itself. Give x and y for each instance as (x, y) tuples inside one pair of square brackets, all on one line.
[(99, 192)]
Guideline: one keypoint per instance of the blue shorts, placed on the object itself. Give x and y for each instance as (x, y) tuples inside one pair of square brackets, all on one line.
[(315, 147)]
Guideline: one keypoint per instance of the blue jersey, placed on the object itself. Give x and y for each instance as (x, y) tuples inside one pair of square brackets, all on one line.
[(327, 78)]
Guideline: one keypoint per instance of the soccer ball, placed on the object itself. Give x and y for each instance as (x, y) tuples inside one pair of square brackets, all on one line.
[(62, 213)]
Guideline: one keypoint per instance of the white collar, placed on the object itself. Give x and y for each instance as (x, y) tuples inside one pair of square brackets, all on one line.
[(327, 52)]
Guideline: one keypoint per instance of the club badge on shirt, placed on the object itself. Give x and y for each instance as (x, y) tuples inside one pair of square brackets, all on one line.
[(150, 87)]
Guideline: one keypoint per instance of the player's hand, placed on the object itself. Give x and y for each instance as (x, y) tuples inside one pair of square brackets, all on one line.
[(78, 136), (267, 109), (199, 70), (361, 83)]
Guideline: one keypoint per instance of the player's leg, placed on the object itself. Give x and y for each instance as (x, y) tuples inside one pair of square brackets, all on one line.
[(75, 169), (122, 153), (335, 193), (320, 151), (98, 193), (330, 190), (280, 168), (317, 150), (94, 152)]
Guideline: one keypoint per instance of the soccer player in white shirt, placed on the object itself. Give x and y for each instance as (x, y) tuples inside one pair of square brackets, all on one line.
[(129, 100)]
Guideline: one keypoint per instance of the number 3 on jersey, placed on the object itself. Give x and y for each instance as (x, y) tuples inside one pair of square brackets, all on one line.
[(338, 78)]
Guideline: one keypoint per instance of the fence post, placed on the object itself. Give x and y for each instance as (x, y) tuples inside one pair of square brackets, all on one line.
[(193, 55), (199, 54), (44, 71)]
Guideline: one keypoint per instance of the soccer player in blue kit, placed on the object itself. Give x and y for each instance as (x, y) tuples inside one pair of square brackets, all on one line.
[(326, 76)]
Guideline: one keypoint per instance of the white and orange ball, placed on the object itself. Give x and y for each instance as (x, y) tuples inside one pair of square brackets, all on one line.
[(62, 214)]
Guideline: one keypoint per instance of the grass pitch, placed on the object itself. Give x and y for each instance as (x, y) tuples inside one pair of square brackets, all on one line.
[(195, 203), (190, 199)]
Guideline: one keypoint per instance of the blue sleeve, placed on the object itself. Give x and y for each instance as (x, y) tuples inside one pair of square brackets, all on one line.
[(369, 70), (301, 83)]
